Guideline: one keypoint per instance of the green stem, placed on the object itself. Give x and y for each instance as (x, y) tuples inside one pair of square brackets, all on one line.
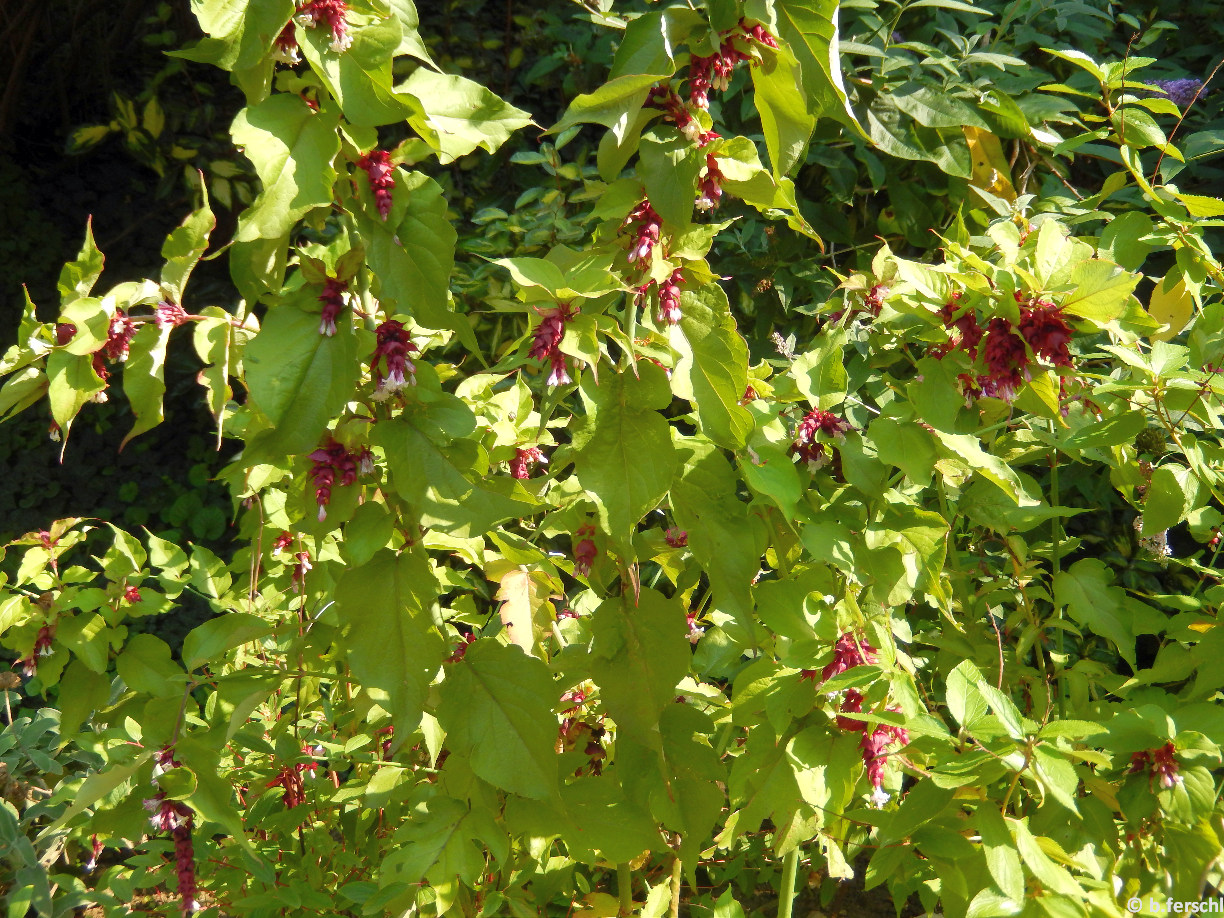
[(1056, 565), (624, 887), (786, 895)]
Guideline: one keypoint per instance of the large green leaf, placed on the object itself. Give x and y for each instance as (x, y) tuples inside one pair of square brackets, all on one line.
[(1094, 601), (300, 379), (447, 840), (615, 104), (360, 78), (292, 148), (785, 119), (623, 449), (388, 607), (712, 371), (144, 378), (669, 166), (461, 115), (430, 478), (182, 250), (239, 32), (496, 707), (413, 253), (809, 27), (724, 536), (639, 652), (78, 277)]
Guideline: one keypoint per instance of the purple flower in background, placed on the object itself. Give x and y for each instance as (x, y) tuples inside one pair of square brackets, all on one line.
[(1180, 92)]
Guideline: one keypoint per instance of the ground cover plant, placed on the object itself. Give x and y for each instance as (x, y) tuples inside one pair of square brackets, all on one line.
[(796, 458)]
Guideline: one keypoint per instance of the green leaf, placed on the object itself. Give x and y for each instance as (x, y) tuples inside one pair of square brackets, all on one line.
[(496, 707), (144, 377), (1094, 601), (427, 476), (412, 255), (615, 104), (240, 33), (933, 107), (300, 379), (638, 655), (624, 455), (809, 27), (723, 535), (212, 337), (1122, 239), (96, 786), (208, 641), (292, 148), (447, 840), (410, 37), (650, 40), (369, 530), (145, 666), (1167, 502), (182, 250), (388, 607), (78, 277), (669, 168), (461, 115), (82, 691), (772, 473), (906, 445), (712, 371), (360, 78), (785, 119), (1002, 859), (72, 382), (1101, 291), (820, 373)]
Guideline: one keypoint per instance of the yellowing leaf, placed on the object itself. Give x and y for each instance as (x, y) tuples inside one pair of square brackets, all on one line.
[(522, 596), (1171, 305), (991, 171)]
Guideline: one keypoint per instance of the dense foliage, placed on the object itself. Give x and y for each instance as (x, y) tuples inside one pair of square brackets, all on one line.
[(802, 457)]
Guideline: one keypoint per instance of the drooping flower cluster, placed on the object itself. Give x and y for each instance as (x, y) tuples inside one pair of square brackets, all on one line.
[(282, 541), (392, 367), (710, 187), (169, 315), (714, 72), (1180, 92), (1006, 349), (460, 651), (42, 648), (645, 225), (806, 447), (301, 567), (665, 98), (695, 631), (331, 463), (177, 819), (377, 165), (669, 297), (849, 652), (524, 459), (585, 551), (289, 778), (1159, 763), (131, 594), (333, 300), (546, 343), (330, 13), (676, 538), (285, 47)]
